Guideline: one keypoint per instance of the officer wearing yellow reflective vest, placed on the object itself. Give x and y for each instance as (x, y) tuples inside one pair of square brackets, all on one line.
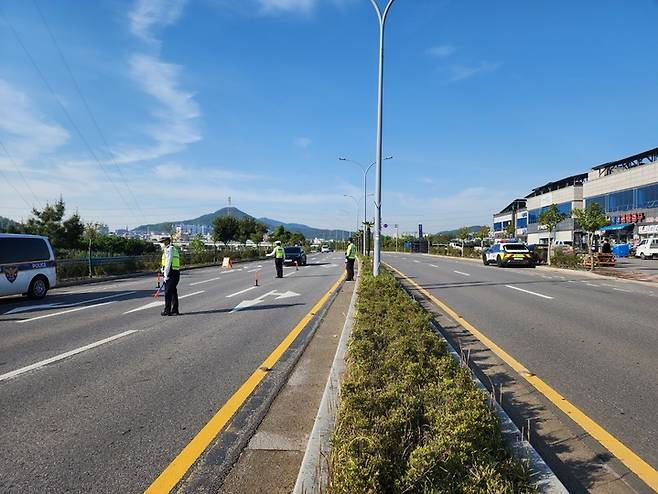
[(279, 256), (350, 257), (170, 266)]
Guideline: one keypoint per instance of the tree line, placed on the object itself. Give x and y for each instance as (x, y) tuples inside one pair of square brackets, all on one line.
[(71, 235), (228, 228)]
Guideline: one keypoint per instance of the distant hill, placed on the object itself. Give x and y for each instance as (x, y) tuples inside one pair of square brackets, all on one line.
[(453, 233), (206, 219)]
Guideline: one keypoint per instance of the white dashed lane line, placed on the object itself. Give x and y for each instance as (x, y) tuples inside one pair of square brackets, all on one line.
[(205, 281), (241, 292), (528, 291), (62, 356), (462, 273)]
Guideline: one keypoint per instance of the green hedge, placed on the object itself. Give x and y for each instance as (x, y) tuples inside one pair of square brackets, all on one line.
[(410, 419)]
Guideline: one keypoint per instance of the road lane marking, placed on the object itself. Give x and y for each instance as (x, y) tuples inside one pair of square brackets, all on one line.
[(68, 311), (635, 463), (63, 356), (161, 302), (434, 265), (622, 290), (528, 291), (205, 281), (253, 270), (241, 291), (175, 471), (63, 305), (592, 284), (462, 273), (289, 274)]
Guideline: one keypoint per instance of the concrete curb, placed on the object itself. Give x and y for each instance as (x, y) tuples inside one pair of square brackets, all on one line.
[(313, 472)]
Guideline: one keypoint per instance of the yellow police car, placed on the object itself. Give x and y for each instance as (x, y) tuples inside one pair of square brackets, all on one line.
[(508, 254)]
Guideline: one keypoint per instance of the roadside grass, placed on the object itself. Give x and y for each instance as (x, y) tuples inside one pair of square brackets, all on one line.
[(411, 420)]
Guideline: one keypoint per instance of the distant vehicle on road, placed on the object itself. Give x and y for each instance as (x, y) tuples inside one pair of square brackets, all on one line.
[(508, 254), (326, 249), (647, 248), (294, 254), (27, 265)]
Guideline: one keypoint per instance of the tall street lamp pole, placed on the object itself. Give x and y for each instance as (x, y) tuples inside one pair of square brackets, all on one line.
[(378, 157), (356, 203), (365, 171)]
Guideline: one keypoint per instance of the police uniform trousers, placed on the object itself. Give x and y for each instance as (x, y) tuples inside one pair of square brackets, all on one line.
[(278, 262), (171, 292), (349, 265)]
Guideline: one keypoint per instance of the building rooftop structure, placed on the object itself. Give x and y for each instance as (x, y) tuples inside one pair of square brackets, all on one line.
[(627, 163), (558, 184), (515, 205)]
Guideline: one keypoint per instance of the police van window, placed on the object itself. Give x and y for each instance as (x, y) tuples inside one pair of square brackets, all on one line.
[(18, 250)]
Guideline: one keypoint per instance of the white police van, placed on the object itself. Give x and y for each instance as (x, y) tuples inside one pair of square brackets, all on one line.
[(27, 265)]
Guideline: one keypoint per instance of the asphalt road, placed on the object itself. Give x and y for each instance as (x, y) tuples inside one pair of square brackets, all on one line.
[(593, 340), (110, 418)]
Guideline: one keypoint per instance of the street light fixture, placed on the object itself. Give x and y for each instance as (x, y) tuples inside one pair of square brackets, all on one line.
[(356, 203), (365, 171), (380, 100)]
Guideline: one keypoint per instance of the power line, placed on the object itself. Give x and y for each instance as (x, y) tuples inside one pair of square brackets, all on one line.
[(63, 108), (85, 103), (20, 173), (18, 193)]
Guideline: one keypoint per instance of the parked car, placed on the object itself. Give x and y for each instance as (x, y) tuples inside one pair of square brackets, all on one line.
[(27, 265), (294, 254), (508, 254), (647, 248)]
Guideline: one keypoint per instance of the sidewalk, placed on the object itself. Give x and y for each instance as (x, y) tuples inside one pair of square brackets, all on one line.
[(271, 461)]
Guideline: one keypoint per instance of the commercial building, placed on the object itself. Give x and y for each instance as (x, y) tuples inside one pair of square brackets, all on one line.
[(567, 195), (626, 189)]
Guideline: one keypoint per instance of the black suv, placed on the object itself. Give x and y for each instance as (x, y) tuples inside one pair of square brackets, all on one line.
[(294, 254)]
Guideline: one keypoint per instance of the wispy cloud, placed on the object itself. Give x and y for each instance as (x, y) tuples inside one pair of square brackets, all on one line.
[(441, 51), (149, 14), (303, 142), (23, 129), (296, 6), (176, 111), (169, 171), (462, 72)]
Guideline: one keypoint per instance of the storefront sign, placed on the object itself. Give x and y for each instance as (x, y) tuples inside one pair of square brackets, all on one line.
[(627, 218), (648, 229)]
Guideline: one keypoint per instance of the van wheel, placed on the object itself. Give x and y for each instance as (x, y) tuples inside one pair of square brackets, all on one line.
[(484, 260), (642, 256), (38, 288)]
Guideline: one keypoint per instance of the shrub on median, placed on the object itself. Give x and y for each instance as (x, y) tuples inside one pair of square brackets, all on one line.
[(410, 419)]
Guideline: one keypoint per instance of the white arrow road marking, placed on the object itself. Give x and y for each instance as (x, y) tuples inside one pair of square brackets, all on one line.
[(62, 305), (464, 274), (161, 302), (62, 356), (240, 292), (205, 281), (528, 291), (250, 303)]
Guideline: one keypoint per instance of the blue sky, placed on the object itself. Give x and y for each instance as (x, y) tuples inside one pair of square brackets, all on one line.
[(195, 101)]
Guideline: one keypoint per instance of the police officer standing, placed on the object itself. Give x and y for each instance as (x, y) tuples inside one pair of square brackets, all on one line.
[(350, 257), (170, 266), (279, 255)]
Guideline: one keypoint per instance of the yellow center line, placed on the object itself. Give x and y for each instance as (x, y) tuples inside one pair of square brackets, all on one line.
[(175, 471), (634, 463)]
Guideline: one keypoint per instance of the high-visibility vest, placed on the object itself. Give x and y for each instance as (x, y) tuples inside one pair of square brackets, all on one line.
[(279, 253), (175, 258), (350, 253)]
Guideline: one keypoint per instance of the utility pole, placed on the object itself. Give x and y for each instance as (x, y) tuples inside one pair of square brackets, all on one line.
[(378, 159)]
